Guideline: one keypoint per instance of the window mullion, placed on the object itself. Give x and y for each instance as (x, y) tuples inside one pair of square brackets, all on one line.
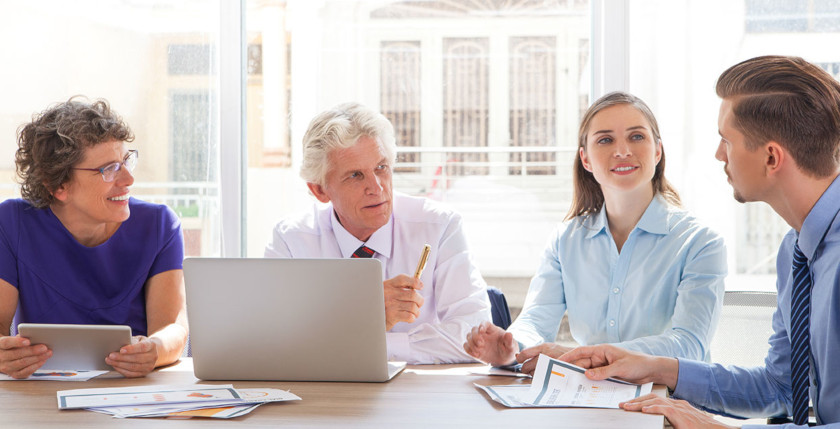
[(231, 132), (610, 34)]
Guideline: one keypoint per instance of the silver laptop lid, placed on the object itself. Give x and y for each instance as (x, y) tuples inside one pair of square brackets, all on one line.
[(286, 319)]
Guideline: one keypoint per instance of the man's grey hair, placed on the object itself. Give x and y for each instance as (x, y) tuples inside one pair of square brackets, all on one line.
[(339, 128)]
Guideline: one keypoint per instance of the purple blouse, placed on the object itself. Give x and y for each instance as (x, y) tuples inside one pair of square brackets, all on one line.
[(62, 281)]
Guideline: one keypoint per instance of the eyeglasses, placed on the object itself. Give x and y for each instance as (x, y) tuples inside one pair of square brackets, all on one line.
[(109, 172)]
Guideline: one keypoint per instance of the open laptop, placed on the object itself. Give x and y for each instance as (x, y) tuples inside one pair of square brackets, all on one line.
[(287, 319)]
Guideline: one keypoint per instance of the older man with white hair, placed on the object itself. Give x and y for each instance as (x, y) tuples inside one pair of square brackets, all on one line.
[(348, 156)]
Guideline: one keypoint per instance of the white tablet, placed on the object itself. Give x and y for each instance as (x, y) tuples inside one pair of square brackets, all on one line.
[(77, 347)]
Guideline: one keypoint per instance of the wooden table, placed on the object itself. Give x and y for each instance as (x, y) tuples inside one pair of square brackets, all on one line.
[(422, 396)]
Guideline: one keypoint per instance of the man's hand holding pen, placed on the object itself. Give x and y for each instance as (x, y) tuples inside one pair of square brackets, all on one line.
[(402, 299)]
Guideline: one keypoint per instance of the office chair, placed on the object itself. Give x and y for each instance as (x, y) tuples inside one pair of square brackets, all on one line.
[(744, 327), (499, 307), (187, 352), (746, 322)]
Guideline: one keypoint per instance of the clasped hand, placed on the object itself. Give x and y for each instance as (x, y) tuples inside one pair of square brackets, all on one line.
[(495, 346), (491, 344)]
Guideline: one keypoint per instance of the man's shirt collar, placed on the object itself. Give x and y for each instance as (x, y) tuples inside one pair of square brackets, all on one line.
[(819, 220), (380, 241)]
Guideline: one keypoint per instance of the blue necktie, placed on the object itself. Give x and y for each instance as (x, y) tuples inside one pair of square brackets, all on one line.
[(800, 336)]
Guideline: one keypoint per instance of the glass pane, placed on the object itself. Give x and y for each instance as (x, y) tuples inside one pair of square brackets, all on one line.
[(774, 16), (769, 16), (485, 97), (533, 103), (272, 186), (400, 97), (466, 108), (155, 62)]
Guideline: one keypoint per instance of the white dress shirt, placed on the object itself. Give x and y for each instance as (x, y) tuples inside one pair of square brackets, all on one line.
[(455, 294)]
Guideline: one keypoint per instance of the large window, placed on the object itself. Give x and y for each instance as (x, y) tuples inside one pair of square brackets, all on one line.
[(676, 75), (155, 62), (485, 96)]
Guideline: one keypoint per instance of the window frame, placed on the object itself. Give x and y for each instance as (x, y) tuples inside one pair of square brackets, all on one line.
[(609, 72), (233, 141)]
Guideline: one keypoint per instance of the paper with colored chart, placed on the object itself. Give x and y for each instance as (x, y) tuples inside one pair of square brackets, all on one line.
[(250, 399), (142, 395), (176, 411), (196, 400), (561, 384)]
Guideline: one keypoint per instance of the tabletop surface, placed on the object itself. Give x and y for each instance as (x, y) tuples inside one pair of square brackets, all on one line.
[(421, 396)]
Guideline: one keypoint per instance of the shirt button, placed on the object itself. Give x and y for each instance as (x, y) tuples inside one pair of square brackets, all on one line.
[(612, 322), (616, 290)]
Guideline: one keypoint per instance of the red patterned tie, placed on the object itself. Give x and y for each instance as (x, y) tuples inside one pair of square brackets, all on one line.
[(363, 252)]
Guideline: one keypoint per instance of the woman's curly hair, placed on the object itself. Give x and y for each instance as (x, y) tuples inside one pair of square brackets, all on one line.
[(54, 142)]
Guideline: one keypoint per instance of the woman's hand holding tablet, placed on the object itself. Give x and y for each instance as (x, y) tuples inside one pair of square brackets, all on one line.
[(77, 347)]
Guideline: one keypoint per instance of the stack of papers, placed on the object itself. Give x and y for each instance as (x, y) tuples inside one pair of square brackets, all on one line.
[(195, 400), (57, 375), (561, 384)]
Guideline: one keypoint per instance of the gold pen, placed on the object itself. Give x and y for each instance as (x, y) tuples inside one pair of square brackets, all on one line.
[(423, 258)]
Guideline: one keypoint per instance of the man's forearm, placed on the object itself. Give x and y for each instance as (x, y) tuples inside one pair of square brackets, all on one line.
[(667, 371)]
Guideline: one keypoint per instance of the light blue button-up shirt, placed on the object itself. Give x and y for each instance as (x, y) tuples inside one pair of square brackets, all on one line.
[(661, 295), (765, 391)]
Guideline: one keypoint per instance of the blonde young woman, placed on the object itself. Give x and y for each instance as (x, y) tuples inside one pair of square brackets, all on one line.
[(629, 266)]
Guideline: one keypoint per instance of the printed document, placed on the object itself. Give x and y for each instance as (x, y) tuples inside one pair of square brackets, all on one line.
[(561, 384), (196, 400)]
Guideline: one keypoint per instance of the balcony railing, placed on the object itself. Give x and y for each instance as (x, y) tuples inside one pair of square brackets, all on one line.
[(442, 173), (511, 188), (197, 204), (507, 200)]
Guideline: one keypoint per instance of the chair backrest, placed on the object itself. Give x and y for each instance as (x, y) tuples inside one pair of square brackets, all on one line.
[(743, 330), (499, 307)]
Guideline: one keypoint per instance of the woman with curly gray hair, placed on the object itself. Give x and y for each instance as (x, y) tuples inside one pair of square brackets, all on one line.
[(77, 249)]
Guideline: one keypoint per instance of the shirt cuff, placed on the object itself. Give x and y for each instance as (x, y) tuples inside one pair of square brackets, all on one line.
[(398, 346), (693, 376)]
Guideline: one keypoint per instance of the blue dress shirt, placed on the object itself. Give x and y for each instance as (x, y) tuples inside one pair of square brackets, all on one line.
[(766, 391), (661, 295)]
